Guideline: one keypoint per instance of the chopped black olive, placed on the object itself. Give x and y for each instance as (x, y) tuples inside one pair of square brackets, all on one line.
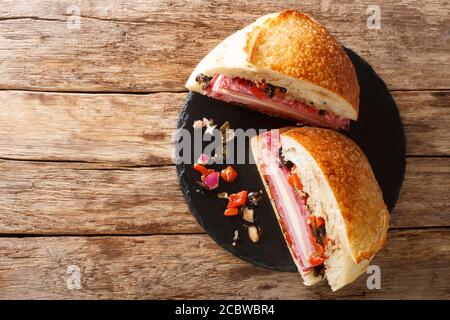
[(315, 232), (322, 112), (202, 185), (204, 80), (320, 235), (319, 270), (253, 198), (253, 206), (270, 90), (246, 224), (200, 191), (288, 164)]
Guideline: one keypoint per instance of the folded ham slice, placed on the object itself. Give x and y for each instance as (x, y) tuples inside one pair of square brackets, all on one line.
[(247, 93), (292, 209)]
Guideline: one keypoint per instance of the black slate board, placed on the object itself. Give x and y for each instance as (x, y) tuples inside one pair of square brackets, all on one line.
[(378, 132)]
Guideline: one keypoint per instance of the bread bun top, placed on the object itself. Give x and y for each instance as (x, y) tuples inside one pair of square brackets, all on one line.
[(353, 184), (294, 44)]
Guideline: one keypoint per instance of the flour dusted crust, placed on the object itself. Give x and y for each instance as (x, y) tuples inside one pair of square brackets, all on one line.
[(294, 44), (353, 184)]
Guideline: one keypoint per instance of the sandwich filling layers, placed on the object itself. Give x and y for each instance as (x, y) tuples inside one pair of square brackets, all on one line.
[(268, 99), (305, 234)]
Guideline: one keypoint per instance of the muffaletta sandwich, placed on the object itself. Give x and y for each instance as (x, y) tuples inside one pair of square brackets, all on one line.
[(285, 64), (327, 201)]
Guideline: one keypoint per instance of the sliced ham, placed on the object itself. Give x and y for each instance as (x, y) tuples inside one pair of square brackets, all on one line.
[(247, 93), (291, 207)]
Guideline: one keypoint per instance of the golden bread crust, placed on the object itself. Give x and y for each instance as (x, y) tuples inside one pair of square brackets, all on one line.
[(353, 184), (294, 44)]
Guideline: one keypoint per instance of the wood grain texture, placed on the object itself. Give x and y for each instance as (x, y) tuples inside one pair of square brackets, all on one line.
[(132, 129), (148, 46), (72, 198), (137, 129), (194, 267), (87, 181), (426, 120), (49, 198)]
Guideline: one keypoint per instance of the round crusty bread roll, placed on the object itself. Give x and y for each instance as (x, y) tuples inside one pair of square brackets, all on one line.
[(341, 189), (291, 50)]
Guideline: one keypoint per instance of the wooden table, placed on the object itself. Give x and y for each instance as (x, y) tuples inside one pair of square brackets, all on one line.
[(89, 200)]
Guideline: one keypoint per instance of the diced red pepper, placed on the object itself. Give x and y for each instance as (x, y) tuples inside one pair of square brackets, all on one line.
[(258, 93), (316, 222), (320, 250), (315, 260), (237, 200), (294, 180), (228, 174), (320, 222), (231, 211), (202, 169), (279, 93)]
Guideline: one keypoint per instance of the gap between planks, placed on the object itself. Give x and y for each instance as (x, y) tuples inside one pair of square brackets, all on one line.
[(173, 91), (123, 235), (103, 235), (102, 164)]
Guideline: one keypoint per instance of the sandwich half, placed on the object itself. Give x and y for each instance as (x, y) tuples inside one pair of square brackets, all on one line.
[(284, 64), (327, 201)]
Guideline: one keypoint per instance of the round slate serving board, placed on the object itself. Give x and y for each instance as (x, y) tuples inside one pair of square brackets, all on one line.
[(378, 132)]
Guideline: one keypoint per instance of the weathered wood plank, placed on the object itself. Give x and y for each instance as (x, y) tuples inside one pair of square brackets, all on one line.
[(145, 46), (424, 199), (42, 198), (426, 119), (137, 129), (65, 198), (134, 129), (159, 267)]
